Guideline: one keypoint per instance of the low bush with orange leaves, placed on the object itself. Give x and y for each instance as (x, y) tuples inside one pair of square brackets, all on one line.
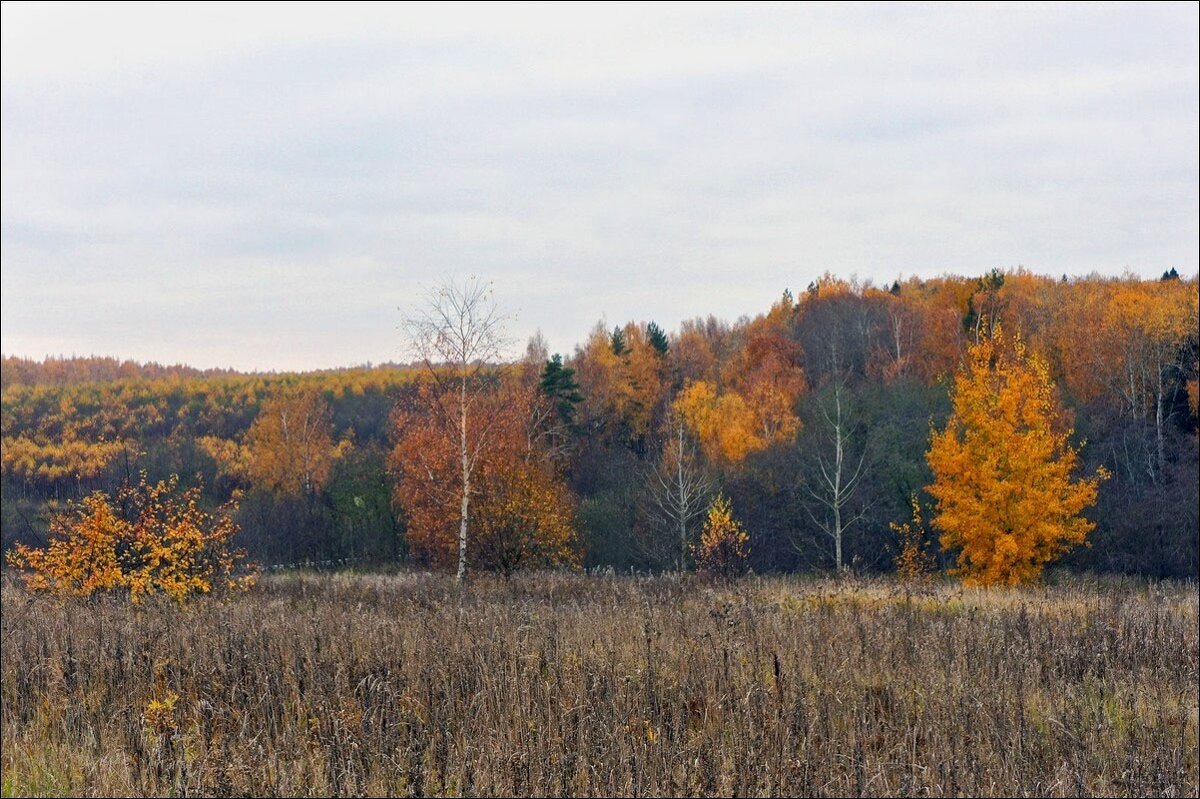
[(149, 539)]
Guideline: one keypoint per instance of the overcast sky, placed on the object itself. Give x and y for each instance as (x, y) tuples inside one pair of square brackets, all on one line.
[(266, 187)]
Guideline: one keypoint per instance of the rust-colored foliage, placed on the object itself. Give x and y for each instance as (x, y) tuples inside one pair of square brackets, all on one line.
[(150, 539), (425, 462), (1003, 468), (523, 518), (724, 543), (772, 379), (696, 351), (757, 409), (1121, 338), (939, 304), (1122, 350), (521, 510)]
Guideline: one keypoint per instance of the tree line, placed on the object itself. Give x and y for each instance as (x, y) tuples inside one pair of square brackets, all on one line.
[(806, 428)]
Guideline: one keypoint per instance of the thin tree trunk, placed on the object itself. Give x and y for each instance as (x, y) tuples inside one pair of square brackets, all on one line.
[(466, 482), (683, 509), (1158, 428), (837, 539), (837, 483)]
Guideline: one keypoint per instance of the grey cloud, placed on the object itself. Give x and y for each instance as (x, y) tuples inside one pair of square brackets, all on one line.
[(289, 200)]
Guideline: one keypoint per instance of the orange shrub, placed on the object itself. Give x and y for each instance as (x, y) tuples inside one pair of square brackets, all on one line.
[(151, 539)]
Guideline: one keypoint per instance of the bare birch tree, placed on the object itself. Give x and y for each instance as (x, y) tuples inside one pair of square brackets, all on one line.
[(679, 487), (839, 473), (456, 332)]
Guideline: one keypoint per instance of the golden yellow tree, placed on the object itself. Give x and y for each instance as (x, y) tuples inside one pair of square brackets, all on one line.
[(524, 518), (1003, 468), (723, 423), (290, 444), (1128, 340), (724, 544), (753, 407), (622, 379)]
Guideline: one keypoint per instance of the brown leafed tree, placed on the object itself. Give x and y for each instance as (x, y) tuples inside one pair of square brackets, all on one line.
[(521, 510), (457, 332)]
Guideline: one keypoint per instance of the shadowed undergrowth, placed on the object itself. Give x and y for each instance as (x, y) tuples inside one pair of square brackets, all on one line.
[(585, 685)]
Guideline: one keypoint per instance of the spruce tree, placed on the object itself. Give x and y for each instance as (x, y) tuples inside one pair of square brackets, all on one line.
[(657, 338)]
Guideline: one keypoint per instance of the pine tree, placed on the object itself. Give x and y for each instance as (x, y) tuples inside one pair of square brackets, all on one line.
[(558, 383), (657, 338), (617, 342)]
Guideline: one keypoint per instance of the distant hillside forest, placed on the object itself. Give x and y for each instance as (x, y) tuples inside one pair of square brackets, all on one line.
[(588, 446)]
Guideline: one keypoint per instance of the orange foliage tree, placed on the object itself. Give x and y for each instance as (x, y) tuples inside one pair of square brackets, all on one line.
[(457, 331), (770, 376), (1003, 468), (523, 517), (163, 542), (939, 304), (723, 423), (1147, 327), (290, 444), (751, 403), (622, 378), (523, 510)]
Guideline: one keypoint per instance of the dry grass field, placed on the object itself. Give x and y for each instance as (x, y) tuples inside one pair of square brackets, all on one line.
[(592, 685)]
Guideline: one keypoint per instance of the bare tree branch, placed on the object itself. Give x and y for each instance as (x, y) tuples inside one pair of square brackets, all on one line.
[(457, 331), (679, 488)]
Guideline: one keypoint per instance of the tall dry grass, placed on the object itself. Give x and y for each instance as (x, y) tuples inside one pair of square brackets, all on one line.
[(554, 684)]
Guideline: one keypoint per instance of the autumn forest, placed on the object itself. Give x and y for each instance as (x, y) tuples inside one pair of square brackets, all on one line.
[(823, 435), (937, 537)]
